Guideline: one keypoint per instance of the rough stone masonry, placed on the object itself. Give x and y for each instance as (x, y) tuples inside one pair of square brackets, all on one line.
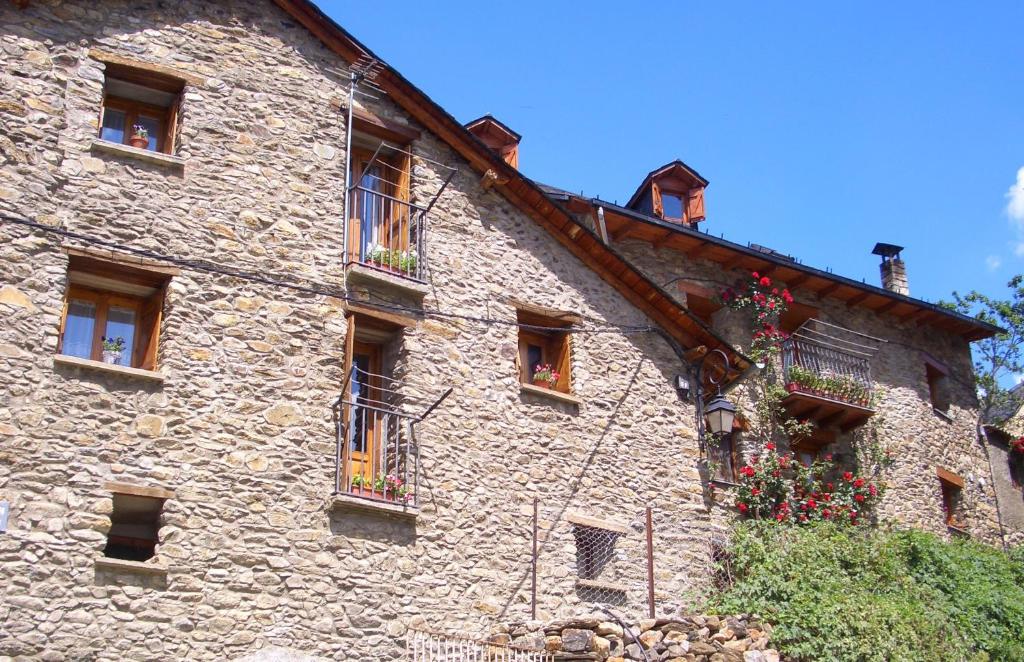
[(237, 423)]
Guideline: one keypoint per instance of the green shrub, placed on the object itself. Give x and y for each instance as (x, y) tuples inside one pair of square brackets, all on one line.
[(858, 595)]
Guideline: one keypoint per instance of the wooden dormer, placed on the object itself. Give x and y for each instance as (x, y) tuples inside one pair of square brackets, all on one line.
[(673, 192), (498, 137)]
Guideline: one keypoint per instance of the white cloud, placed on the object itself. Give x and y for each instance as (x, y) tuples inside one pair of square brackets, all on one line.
[(1015, 204), (993, 262)]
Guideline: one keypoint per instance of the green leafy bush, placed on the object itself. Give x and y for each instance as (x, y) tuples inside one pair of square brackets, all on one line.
[(848, 594)]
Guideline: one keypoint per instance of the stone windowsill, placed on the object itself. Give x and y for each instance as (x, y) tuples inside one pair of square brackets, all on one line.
[(137, 567), (354, 503), (149, 156), (366, 275), (552, 394), (723, 483), (134, 373)]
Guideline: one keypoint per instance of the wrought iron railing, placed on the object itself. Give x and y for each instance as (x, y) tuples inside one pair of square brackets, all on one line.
[(824, 370), (385, 233), (376, 456)]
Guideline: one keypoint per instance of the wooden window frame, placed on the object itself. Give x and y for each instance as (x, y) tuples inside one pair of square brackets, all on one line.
[(148, 319), (937, 376), (708, 302), (952, 486), (132, 110), (555, 344), (398, 187), (168, 116)]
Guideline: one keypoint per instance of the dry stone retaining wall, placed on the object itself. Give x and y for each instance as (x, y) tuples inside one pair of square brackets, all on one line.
[(678, 639)]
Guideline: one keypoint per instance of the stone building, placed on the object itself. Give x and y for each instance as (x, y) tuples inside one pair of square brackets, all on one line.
[(234, 421)]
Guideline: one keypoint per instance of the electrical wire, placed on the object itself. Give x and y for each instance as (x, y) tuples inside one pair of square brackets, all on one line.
[(311, 287)]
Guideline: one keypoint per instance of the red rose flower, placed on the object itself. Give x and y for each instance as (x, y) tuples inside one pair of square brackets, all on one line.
[(755, 275), (859, 482), (826, 513), (826, 497), (858, 497), (873, 490), (742, 507), (830, 486), (847, 476), (755, 492), (770, 446), (766, 281), (828, 457)]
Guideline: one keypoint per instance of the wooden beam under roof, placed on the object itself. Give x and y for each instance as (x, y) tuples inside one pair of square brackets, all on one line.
[(663, 239), (828, 289), (887, 307), (800, 279), (853, 301), (699, 249)]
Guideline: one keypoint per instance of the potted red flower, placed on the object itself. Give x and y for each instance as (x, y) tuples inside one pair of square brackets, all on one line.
[(545, 375), (139, 137)]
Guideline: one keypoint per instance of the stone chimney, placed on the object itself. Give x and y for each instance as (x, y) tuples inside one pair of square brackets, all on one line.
[(498, 137), (894, 271)]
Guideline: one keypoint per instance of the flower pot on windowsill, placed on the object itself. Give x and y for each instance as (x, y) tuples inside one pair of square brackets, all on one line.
[(139, 142), (544, 383), (792, 387), (379, 495), (111, 357)]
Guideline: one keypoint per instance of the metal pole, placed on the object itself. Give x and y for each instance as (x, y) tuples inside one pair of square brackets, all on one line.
[(650, 564), (533, 566)]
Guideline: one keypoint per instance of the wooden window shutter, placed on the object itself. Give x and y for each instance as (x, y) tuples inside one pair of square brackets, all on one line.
[(563, 361), (695, 205), (401, 215), (659, 207), (150, 317)]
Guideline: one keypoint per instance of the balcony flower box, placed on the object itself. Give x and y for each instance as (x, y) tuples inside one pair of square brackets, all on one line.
[(382, 488)]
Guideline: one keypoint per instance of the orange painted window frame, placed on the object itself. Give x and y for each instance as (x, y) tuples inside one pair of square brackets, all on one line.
[(132, 110), (555, 345), (147, 322)]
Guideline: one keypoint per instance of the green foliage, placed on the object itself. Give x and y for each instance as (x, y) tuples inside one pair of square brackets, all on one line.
[(850, 594), (996, 358)]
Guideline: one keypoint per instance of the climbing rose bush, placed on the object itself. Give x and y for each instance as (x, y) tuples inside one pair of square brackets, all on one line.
[(778, 487), (1017, 445), (768, 303)]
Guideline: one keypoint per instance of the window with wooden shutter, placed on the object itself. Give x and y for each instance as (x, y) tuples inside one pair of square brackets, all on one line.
[(112, 313), (695, 205), (545, 348)]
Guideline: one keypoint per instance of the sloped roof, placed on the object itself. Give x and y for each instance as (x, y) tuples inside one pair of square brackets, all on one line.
[(682, 327), (696, 243)]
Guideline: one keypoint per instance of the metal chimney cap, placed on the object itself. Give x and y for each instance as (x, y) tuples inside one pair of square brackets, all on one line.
[(887, 250)]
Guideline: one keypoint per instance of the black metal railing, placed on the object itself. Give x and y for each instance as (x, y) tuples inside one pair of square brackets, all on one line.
[(376, 456), (826, 371), (385, 233)]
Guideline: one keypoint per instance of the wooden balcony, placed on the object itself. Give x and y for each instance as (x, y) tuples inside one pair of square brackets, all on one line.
[(827, 383), (826, 412)]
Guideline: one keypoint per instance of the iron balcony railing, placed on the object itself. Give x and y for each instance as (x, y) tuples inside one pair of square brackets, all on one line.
[(385, 232), (820, 369), (376, 456)]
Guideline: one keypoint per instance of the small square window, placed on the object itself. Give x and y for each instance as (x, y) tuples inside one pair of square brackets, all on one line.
[(672, 205), (134, 525), (545, 351), (112, 313), (140, 108)]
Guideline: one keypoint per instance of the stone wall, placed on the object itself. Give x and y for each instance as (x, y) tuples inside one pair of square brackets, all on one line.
[(240, 427), (677, 639)]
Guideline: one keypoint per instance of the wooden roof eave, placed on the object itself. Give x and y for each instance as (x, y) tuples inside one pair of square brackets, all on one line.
[(520, 191)]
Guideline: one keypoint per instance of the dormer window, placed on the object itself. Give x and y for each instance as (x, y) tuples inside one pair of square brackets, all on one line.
[(674, 193)]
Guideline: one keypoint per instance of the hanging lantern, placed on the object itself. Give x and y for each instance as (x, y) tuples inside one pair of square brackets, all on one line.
[(720, 414)]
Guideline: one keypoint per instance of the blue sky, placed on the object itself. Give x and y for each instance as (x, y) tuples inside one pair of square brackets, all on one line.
[(823, 127)]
